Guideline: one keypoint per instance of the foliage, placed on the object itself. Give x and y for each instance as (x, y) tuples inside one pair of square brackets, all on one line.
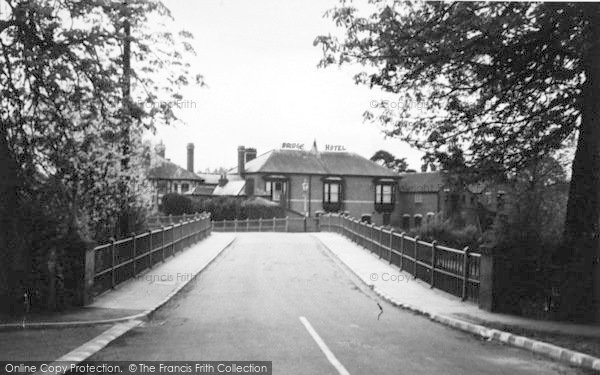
[(71, 122), (500, 79), (388, 160), (449, 235), (176, 204), (222, 208), (531, 237), (507, 83)]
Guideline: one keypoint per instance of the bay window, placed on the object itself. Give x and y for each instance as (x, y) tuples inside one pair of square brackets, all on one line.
[(385, 195), (332, 194)]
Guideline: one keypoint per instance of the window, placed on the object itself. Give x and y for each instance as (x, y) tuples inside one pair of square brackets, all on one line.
[(332, 194), (384, 196), (175, 188), (405, 222), (418, 198), (276, 189), (418, 220), (185, 187), (430, 217), (387, 218)]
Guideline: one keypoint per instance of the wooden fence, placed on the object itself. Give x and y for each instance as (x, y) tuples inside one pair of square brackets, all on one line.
[(451, 270), (117, 261)]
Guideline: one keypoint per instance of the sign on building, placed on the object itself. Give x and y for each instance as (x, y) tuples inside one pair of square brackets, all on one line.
[(292, 146), (335, 148)]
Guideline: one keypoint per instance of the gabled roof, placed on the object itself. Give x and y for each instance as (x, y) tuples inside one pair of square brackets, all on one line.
[(321, 163), (424, 182), (163, 169)]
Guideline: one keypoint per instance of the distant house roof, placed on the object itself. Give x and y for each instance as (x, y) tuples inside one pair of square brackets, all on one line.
[(210, 178), (321, 163), (163, 169), (231, 188), (424, 182), (201, 190)]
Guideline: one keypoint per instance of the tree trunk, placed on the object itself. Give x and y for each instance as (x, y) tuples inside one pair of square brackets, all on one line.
[(12, 252), (580, 256)]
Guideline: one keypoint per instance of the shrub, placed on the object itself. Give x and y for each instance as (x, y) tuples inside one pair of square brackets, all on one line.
[(448, 235), (222, 208), (228, 208), (176, 204)]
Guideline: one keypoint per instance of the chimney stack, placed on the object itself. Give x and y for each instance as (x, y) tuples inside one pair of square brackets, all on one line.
[(250, 154), (190, 157), (249, 187), (241, 160), (223, 180)]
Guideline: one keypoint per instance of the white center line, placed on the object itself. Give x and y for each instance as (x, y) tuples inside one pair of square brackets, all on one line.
[(332, 359)]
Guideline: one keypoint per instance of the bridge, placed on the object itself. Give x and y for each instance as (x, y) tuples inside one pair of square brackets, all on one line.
[(350, 298)]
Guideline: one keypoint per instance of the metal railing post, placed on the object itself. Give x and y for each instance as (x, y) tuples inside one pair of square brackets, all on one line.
[(134, 254), (466, 266), (260, 224), (370, 228), (379, 247), (433, 255), (247, 224), (287, 223), (391, 245), (113, 280), (162, 231), (150, 248), (402, 250), (235, 224), (416, 257)]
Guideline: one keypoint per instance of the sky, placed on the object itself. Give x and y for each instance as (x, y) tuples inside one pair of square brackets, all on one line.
[(264, 87)]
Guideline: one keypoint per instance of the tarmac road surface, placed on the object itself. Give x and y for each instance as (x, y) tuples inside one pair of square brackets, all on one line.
[(283, 298)]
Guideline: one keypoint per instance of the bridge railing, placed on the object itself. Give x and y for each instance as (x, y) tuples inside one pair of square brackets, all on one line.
[(110, 264), (285, 224), (451, 270), (163, 220)]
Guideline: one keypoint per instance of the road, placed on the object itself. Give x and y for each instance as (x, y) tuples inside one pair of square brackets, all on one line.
[(284, 298)]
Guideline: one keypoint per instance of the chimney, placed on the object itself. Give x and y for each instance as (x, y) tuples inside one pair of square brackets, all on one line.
[(223, 180), (241, 160), (190, 157), (250, 154), (160, 149), (249, 187)]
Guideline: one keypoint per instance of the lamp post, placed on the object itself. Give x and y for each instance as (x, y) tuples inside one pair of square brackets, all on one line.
[(305, 195)]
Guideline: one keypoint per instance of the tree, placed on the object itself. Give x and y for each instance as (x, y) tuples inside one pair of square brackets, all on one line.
[(507, 82), (388, 160), (65, 114)]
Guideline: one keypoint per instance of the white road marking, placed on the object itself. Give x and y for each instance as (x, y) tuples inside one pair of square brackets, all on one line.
[(332, 359)]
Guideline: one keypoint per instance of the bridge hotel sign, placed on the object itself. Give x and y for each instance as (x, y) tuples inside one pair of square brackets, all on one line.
[(300, 147)]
